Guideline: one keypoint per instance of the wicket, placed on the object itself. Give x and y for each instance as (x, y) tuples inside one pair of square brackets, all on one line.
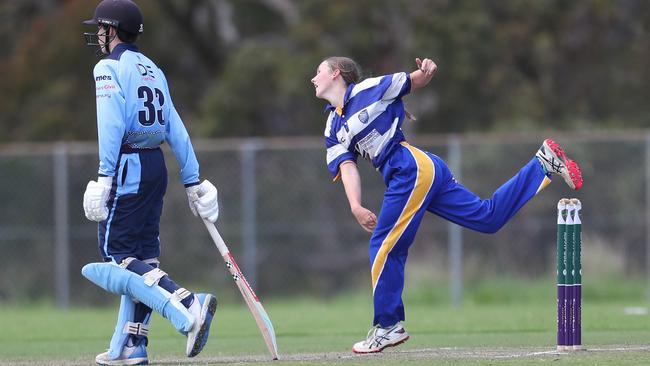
[(569, 274)]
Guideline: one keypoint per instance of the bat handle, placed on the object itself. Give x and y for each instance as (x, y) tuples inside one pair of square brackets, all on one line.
[(218, 241)]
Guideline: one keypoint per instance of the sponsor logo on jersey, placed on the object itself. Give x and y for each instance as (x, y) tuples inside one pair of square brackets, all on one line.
[(369, 145), (146, 72), (103, 78), (106, 87), (363, 116)]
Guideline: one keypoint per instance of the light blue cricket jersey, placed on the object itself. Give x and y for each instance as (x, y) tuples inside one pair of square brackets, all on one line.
[(369, 124), (135, 111)]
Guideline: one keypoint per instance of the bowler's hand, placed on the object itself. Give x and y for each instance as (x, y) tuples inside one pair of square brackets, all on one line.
[(427, 66), (365, 217)]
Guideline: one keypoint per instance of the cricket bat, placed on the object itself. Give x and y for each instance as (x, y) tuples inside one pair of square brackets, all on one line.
[(254, 305)]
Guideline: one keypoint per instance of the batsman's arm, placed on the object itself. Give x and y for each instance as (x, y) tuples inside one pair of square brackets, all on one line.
[(179, 141), (111, 107), (352, 184)]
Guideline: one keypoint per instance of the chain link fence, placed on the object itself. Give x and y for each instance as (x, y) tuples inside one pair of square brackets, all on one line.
[(290, 227)]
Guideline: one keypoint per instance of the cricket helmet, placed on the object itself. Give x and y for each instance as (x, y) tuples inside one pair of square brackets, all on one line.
[(124, 15)]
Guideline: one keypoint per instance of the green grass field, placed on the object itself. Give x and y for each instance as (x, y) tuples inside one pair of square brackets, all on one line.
[(489, 329)]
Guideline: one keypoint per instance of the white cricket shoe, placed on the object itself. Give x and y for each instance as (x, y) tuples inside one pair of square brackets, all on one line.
[(379, 338), (131, 355), (554, 160), (203, 309)]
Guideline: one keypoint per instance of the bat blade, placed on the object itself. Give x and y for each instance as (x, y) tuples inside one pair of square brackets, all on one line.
[(254, 305), (252, 301)]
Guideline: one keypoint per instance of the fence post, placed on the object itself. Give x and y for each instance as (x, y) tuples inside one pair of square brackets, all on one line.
[(249, 208), (455, 233), (647, 212), (61, 227)]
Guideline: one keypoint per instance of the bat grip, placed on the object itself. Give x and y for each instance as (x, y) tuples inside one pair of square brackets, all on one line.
[(218, 241)]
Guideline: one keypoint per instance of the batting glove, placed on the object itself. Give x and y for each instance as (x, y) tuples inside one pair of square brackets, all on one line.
[(203, 201), (95, 198)]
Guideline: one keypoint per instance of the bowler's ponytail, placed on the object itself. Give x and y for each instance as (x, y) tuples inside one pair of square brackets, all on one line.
[(350, 70)]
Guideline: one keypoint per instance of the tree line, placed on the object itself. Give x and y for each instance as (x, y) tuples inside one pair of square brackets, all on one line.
[(242, 67)]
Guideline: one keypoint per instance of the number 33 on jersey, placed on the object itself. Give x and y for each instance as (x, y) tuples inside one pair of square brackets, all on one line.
[(135, 110)]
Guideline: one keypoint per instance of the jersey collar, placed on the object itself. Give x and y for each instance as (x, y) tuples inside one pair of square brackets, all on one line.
[(346, 99), (120, 48)]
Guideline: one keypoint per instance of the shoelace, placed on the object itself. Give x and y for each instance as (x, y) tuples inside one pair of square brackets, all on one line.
[(555, 166), (371, 334), (372, 339)]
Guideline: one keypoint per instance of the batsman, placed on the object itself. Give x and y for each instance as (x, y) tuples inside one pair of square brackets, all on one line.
[(135, 115)]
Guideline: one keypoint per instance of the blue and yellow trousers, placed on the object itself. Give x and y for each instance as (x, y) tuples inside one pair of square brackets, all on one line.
[(416, 182)]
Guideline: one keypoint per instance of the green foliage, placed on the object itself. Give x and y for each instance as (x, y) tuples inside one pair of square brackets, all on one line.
[(256, 93), (242, 68)]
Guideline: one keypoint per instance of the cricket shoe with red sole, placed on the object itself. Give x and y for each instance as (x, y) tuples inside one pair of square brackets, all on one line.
[(554, 160), (379, 338)]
